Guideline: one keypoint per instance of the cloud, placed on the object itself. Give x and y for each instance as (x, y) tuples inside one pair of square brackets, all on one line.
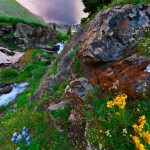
[(59, 11)]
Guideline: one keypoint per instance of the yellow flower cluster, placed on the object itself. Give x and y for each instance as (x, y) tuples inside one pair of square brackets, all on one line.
[(120, 101), (138, 145), (138, 129), (146, 136)]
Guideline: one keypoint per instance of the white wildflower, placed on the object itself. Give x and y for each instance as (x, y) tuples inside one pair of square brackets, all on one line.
[(100, 146), (108, 133), (124, 132)]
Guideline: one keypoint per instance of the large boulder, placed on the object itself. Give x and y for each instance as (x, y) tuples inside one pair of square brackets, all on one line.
[(114, 32)]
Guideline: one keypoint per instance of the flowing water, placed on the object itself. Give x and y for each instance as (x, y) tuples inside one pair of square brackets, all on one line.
[(17, 89), (61, 47)]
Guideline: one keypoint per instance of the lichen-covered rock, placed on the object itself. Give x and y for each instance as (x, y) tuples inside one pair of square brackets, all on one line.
[(114, 32), (76, 93), (79, 88), (129, 75)]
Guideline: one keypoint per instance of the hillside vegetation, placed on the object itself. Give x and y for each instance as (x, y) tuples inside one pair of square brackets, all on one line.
[(12, 12)]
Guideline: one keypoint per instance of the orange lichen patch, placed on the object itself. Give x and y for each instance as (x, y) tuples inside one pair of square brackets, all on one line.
[(121, 75)]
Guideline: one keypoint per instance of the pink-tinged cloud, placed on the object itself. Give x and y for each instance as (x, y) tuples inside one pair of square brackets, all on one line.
[(59, 11)]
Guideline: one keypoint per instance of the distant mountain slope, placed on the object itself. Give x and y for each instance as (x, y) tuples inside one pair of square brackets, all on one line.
[(11, 8)]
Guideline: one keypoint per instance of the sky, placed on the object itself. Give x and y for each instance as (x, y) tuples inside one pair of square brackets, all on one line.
[(58, 11)]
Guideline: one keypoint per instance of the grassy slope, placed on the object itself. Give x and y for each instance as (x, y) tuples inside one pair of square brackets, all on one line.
[(42, 132), (11, 8)]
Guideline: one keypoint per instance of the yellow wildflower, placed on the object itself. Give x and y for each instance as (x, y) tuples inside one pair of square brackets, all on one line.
[(124, 96), (119, 101), (146, 136), (110, 104), (137, 129), (138, 145), (142, 120), (136, 140)]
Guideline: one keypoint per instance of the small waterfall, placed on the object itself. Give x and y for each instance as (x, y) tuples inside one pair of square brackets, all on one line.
[(61, 47)]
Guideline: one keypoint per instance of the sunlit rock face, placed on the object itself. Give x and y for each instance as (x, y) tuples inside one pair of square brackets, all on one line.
[(114, 32), (8, 57)]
